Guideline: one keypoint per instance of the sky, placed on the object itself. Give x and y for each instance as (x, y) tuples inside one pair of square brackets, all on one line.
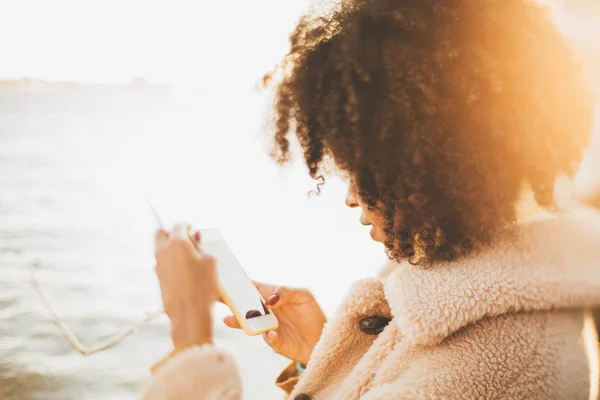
[(165, 41), (176, 41)]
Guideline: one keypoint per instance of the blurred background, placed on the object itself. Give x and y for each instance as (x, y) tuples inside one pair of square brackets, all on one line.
[(105, 104)]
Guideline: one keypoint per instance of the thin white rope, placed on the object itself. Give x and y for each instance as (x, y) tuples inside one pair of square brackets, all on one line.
[(64, 329)]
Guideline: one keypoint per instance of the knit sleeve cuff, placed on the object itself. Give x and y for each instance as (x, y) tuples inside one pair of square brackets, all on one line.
[(288, 378)]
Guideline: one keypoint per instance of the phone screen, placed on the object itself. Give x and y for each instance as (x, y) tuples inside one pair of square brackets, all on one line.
[(236, 283)]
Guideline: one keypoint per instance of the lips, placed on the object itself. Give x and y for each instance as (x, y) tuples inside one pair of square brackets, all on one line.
[(372, 231)]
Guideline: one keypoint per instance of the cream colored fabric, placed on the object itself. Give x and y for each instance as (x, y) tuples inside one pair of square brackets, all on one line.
[(204, 372), (507, 323)]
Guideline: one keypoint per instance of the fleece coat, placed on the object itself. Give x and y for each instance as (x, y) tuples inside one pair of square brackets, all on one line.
[(508, 322)]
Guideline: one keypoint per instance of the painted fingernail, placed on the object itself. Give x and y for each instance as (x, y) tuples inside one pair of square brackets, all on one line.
[(272, 300), (197, 236)]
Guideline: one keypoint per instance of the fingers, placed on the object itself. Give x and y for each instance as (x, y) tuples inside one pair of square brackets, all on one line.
[(161, 239), (181, 238), (180, 243), (280, 296), (265, 289), (277, 296), (231, 322), (196, 239), (181, 231), (271, 338)]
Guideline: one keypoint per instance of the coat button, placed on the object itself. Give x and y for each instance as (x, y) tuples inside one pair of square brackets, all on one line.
[(302, 397), (373, 325)]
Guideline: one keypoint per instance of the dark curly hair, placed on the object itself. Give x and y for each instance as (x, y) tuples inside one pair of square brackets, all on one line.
[(440, 111)]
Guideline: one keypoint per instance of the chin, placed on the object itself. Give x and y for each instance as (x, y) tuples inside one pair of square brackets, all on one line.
[(377, 235)]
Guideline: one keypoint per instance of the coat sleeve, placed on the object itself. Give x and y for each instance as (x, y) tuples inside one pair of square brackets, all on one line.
[(288, 378), (202, 372)]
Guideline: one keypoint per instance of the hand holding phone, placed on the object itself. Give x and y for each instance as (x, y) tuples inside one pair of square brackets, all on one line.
[(301, 321), (235, 287), (188, 285)]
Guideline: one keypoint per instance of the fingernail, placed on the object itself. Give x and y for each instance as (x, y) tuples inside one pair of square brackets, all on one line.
[(180, 231), (271, 336), (162, 238), (197, 236), (272, 300)]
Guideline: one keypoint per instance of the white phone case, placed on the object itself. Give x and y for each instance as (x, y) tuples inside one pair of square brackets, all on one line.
[(235, 287)]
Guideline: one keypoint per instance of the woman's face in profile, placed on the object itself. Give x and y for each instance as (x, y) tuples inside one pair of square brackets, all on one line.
[(367, 217)]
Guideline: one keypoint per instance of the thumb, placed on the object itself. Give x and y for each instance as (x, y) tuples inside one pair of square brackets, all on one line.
[(271, 338)]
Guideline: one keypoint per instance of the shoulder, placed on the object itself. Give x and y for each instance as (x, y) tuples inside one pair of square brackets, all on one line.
[(493, 354), (581, 224), (532, 355)]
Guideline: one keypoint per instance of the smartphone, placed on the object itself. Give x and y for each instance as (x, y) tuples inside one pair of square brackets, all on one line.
[(236, 289)]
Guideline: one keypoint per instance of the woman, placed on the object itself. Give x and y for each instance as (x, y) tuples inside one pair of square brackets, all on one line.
[(441, 114)]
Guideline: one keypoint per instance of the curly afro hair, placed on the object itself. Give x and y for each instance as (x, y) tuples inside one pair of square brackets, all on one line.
[(441, 112)]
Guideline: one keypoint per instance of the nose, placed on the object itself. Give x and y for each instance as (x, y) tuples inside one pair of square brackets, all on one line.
[(351, 200)]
